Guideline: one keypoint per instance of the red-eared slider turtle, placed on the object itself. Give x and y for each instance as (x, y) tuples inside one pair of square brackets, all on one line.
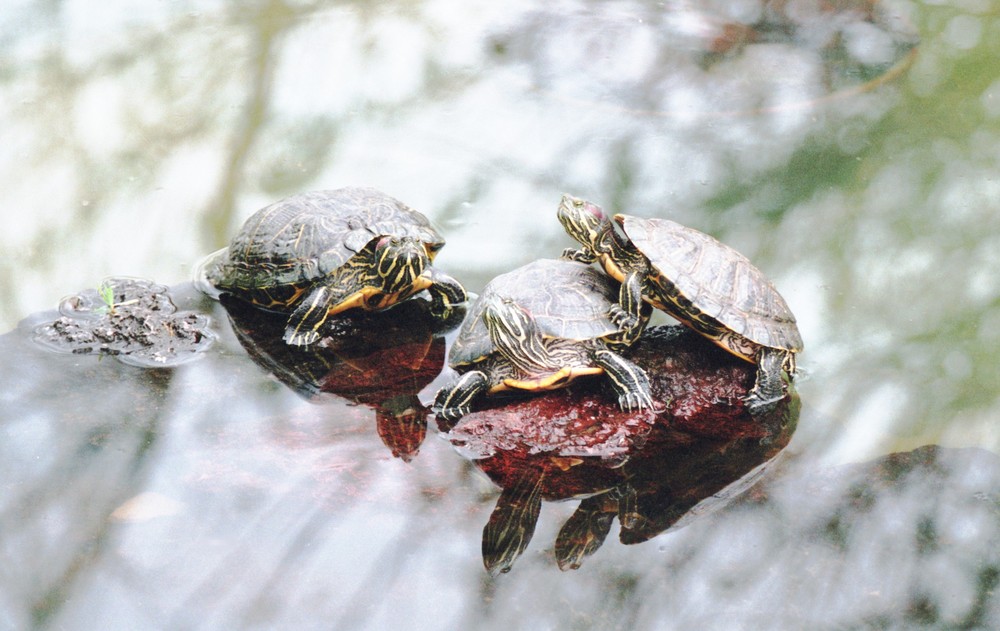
[(661, 471), (701, 282), (537, 328), (321, 253)]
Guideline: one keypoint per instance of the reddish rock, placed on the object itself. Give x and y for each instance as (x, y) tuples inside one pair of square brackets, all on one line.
[(648, 469)]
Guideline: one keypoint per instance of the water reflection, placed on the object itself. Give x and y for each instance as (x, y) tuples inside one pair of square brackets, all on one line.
[(169, 493), (648, 470), (380, 360), (903, 541)]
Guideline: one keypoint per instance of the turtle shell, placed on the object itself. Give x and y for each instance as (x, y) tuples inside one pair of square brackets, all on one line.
[(716, 279), (301, 239), (568, 300)]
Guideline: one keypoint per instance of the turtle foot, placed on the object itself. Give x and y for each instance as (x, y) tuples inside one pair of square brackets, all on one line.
[(295, 337), (635, 401), (442, 310), (630, 326), (622, 318), (758, 406), (578, 255)]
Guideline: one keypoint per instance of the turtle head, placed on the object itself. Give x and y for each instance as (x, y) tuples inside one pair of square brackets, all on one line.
[(506, 322), (582, 220), (513, 331), (398, 262)]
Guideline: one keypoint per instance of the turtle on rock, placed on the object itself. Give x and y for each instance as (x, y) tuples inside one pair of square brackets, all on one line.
[(698, 280), (320, 253), (537, 328)]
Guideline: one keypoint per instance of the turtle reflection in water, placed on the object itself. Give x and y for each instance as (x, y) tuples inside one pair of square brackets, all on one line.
[(381, 360), (701, 282), (537, 328), (321, 253), (651, 472)]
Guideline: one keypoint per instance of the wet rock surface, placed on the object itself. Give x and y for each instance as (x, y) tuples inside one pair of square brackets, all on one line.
[(648, 469), (132, 319)]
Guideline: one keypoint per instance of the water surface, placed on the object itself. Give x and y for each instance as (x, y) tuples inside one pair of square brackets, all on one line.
[(849, 149)]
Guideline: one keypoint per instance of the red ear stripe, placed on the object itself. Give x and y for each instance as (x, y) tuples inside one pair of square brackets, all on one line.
[(595, 210)]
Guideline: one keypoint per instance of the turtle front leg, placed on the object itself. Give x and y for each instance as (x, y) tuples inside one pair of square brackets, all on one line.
[(768, 388), (629, 381), (580, 255), (454, 401), (631, 313), (446, 292), (305, 322)]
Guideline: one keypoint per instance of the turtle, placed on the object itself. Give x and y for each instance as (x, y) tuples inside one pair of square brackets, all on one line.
[(695, 278), (319, 253), (537, 328)]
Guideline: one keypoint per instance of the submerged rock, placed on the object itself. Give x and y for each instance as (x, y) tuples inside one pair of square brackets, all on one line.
[(132, 319)]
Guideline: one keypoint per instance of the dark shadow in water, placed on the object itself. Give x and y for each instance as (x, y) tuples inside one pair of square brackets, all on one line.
[(381, 360)]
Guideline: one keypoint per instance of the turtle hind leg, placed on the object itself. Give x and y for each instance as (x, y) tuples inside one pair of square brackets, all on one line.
[(768, 389), (629, 381), (454, 401), (305, 322)]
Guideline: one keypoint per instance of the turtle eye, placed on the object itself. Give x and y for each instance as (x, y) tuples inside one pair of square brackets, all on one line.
[(387, 253)]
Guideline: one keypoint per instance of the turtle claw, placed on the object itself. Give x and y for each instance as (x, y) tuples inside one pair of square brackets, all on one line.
[(300, 338), (635, 401), (452, 414), (626, 321), (578, 255), (758, 406), (622, 318)]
